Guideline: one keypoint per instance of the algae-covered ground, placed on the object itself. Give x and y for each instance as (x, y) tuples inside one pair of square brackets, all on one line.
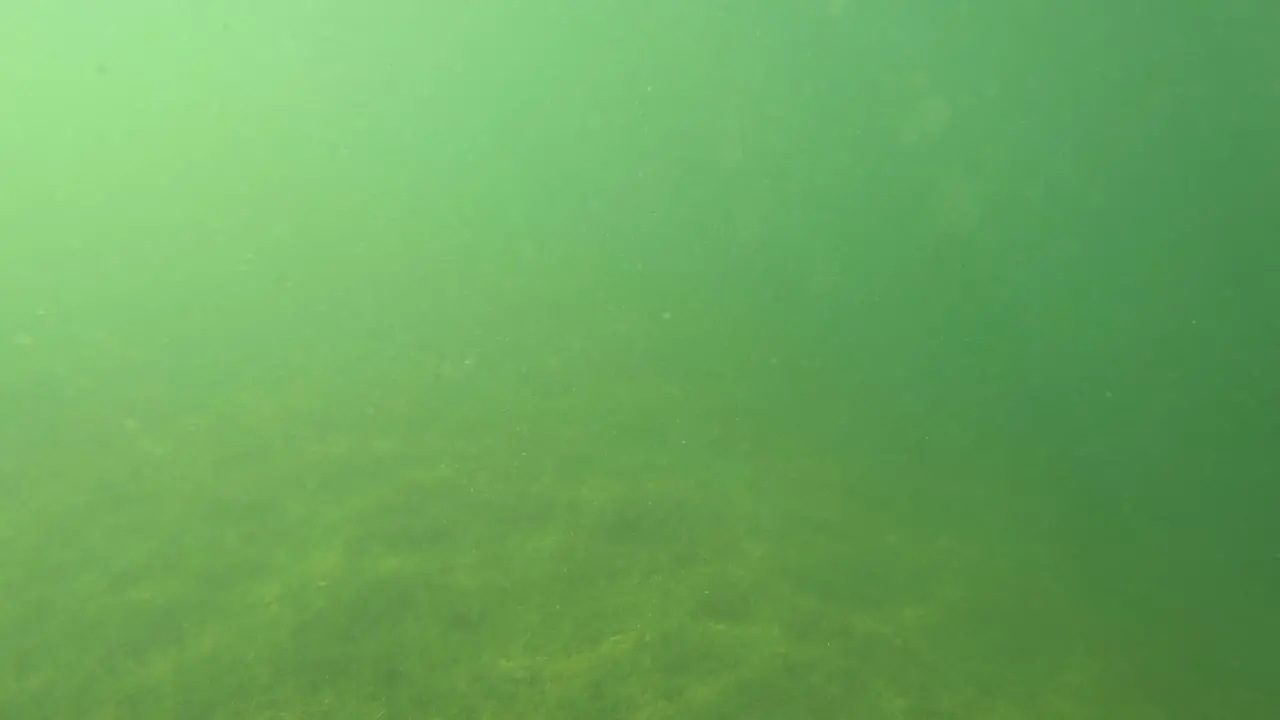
[(301, 550)]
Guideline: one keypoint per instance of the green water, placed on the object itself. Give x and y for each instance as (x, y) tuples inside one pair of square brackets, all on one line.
[(674, 359)]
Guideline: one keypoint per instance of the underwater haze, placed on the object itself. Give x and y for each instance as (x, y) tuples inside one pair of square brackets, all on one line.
[(676, 359)]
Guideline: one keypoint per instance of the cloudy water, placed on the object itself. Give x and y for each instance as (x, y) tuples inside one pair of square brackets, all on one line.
[(781, 360)]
